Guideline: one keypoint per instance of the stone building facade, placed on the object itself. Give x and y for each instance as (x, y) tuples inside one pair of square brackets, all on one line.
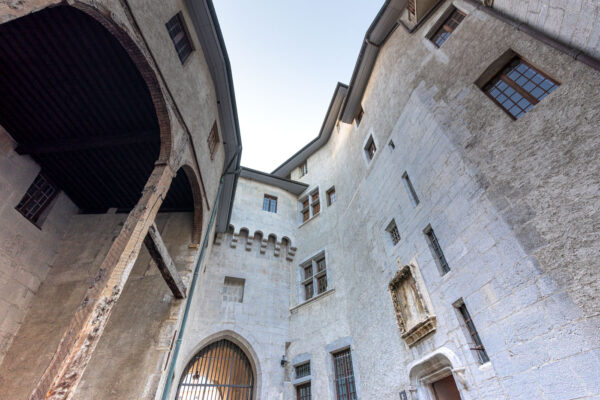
[(432, 242)]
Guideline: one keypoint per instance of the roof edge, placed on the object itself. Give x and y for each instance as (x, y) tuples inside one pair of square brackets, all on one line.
[(329, 121), (289, 185)]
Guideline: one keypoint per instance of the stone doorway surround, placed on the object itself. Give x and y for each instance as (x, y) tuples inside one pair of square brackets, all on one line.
[(436, 365)]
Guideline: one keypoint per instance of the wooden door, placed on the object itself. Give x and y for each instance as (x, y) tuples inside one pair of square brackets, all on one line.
[(445, 389)]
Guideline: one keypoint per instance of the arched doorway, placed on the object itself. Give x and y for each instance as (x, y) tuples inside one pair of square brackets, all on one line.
[(220, 371)]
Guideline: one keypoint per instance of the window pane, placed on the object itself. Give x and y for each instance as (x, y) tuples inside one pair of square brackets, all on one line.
[(321, 284), (308, 290), (308, 272)]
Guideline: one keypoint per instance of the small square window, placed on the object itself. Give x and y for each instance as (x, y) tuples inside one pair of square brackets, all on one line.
[(370, 148), (518, 87), (38, 196), (331, 196), (213, 140), (180, 37), (270, 203), (302, 370)]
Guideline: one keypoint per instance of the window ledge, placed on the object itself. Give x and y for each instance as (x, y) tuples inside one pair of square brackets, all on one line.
[(308, 220), (315, 298), (300, 381)]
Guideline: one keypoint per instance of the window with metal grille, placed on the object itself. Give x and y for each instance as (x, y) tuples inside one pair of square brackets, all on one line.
[(436, 249), (303, 169), (270, 203), (213, 140), (476, 340), (518, 87), (303, 391), (359, 116), (410, 188), (314, 275), (310, 205), (302, 370), (344, 376), (180, 37), (370, 148), (447, 27), (331, 196), (38, 196), (392, 229)]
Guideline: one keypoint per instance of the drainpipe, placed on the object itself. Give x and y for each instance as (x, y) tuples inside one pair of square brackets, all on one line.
[(190, 296)]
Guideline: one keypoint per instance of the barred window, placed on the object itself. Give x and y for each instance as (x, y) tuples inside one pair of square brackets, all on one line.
[(476, 340), (310, 205), (447, 27), (38, 196), (314, 275), (392, 229), (436, 249), (410, 188), (180, 37), (344, 376), (213, 140), (518, 87), (270, 203), (303, 391), (302, 370)]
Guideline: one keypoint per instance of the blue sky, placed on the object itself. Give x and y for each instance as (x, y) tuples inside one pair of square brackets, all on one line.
[(286, 58)]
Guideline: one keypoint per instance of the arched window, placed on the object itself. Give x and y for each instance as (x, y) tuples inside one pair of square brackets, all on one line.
[(220, 371)]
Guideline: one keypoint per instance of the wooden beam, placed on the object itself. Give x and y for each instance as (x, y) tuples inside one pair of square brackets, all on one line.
[(75, 349), (158, 251), (87, 143)]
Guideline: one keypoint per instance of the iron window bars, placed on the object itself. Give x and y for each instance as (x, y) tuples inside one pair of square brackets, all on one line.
[(38, 196), (302, 370), (303, 391), (180, 37), (344, 376), (213, 140), (479, 349), (437, 250)]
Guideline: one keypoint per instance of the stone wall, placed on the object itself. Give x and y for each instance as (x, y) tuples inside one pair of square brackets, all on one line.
[(574, 22), (26, 251), (510, 202)]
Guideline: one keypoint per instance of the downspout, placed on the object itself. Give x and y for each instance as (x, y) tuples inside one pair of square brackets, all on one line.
[(188, 302)]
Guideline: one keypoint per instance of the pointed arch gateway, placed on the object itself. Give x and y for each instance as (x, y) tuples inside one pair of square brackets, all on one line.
[(220, 371)]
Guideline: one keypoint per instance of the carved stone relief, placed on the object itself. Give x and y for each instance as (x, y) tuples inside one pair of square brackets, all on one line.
[(412, 305)]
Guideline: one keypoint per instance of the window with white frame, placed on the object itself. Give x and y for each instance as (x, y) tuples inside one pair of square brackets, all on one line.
[(310, 205), (314, 276), (303, 169)]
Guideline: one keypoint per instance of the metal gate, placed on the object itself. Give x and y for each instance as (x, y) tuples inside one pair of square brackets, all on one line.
[(220, 371)]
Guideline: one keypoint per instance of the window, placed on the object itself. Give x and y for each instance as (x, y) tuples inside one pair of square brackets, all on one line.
[(310, 205), (476, 340), (233, 290), (359, 116), (213, 140), (370, 148), (447, 27), (303, 169), (314, 276), (518, 87), (410, 188), (180, 37), (331, 196), (344, 376), (437, 250), (392, 145), (270, 203), (392, 229), (302, 370), (303, 391), (38, 196)]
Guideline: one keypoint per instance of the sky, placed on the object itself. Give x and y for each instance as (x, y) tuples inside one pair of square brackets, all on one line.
[(286, 59)]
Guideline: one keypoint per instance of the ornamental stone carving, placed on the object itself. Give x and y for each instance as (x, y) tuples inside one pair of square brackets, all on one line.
[(412, 305)]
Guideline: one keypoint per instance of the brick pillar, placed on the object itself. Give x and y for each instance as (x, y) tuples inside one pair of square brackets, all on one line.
[(75, 349)]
